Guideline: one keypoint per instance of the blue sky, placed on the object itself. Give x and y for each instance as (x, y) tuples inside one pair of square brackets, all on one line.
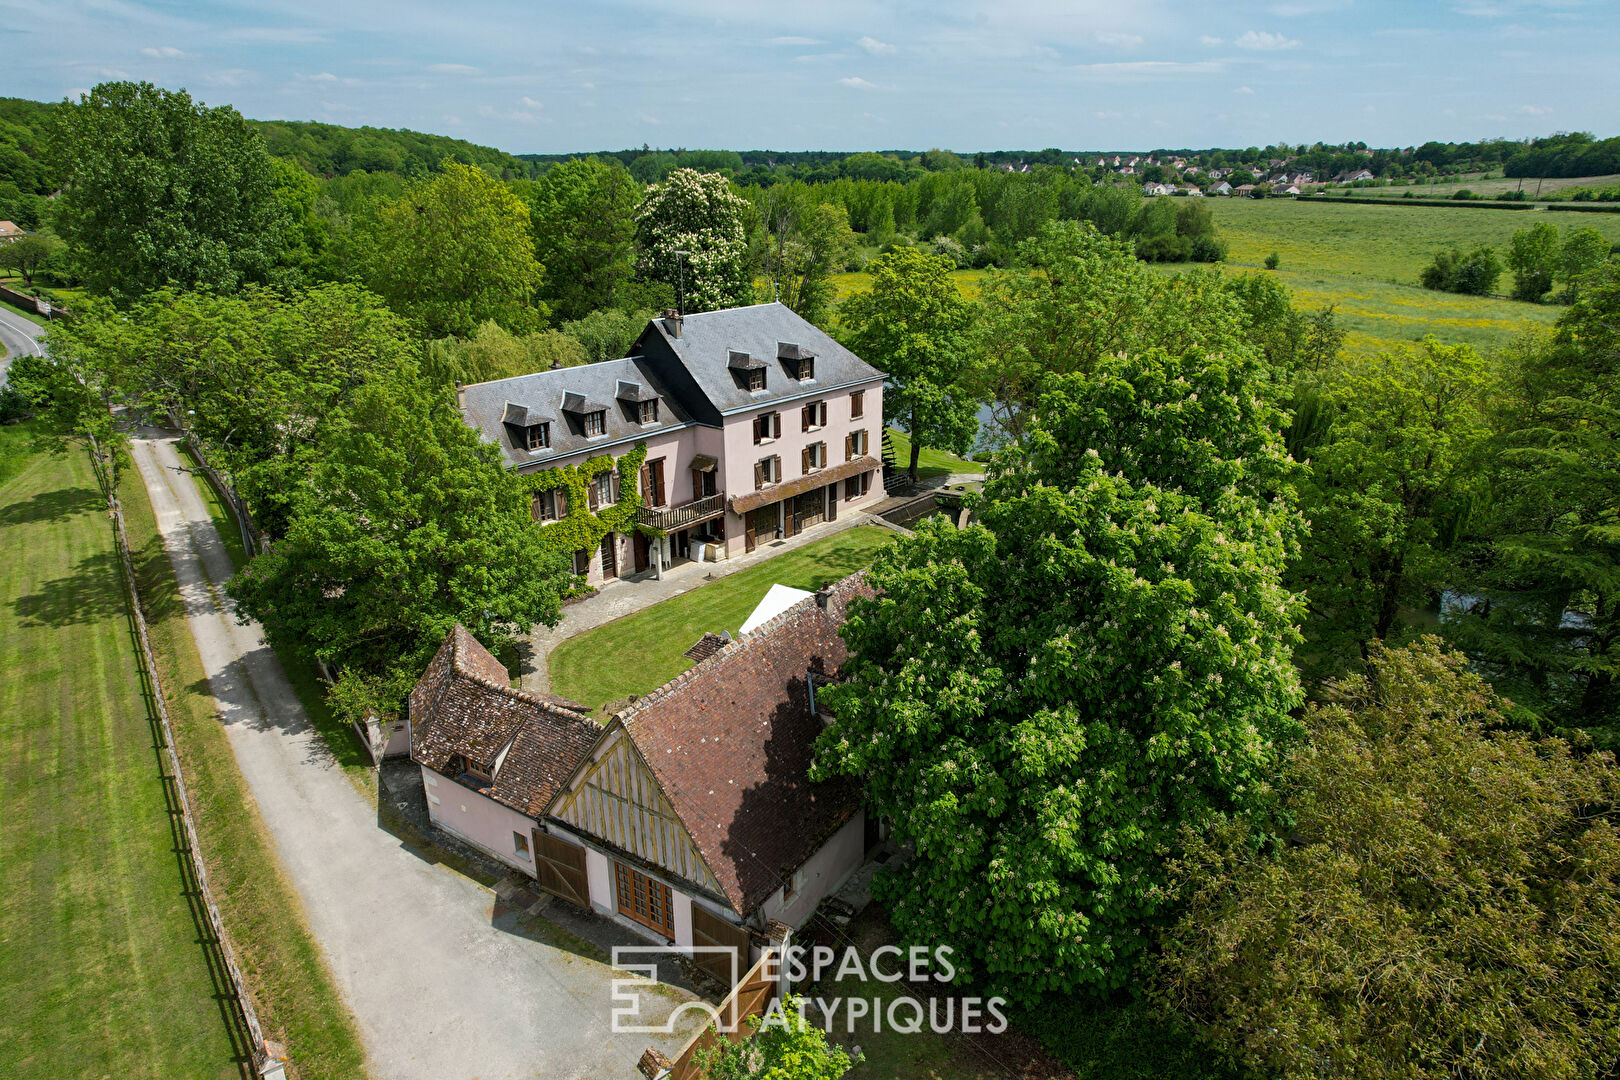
[(848, 75)]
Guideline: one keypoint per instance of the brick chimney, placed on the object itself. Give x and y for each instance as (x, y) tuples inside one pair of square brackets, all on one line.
[(672, 322)]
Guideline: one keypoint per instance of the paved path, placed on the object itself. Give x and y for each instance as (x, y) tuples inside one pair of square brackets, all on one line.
[(20, 338), (439, 992)]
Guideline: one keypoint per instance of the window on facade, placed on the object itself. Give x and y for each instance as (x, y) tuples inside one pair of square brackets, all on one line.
[(767, 471), (856, 487), (807, 369), (756, 379), (545, 506), (855, 444), (480, 771), (794, 884), (815, 456), (520, 844), (539, 436), (767, 426), (644, 899), (857, 404), (652, 483), (602, 489), (582, 563), (647, 412), (813, 415), (596, 423)]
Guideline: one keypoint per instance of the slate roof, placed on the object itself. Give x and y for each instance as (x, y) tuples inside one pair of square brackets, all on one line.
[(551, 394), (465, 705), (709, 338), (731, 740)]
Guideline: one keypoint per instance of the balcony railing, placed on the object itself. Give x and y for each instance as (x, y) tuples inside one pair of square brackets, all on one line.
[(669, 518)]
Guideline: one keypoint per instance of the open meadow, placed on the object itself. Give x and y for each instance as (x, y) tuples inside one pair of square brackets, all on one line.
[(1365, 261)]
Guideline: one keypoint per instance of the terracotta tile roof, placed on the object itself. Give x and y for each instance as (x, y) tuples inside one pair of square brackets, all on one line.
[(465, 706), (731, 740), (707, 645)]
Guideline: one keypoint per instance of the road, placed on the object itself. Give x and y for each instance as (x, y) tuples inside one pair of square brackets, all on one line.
[(438, 992), (19, 336)]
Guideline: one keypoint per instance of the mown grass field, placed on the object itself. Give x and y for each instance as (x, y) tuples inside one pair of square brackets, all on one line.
[(642, 652), (103, 970), (1496, 185), (1365, 262)]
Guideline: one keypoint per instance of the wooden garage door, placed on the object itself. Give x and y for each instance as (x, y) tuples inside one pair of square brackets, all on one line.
[(710, 929), (560, 869)]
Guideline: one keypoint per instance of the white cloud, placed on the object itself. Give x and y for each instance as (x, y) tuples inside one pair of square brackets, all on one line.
[(228, 77), (855, 82), (1243, 90), (1136, 70), (323, 76), (454, 69), (792, 39), (645, 119), (529, 102), (277, 35), (1119, 40), (1265, 41), (874, 46), (1534, 110), (162, 52), (1211, 41)]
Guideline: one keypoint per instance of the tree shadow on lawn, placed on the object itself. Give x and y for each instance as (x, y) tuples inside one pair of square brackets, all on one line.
[(50, 507), (92, 593)]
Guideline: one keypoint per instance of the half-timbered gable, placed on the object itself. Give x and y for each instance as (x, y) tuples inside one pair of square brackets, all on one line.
[(614, 798)]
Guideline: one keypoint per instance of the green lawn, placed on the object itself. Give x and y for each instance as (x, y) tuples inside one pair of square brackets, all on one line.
[(102, 969), (641, 652), (931, 462)]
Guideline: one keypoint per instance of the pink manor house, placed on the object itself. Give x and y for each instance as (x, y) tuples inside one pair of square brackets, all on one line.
[(757, 425)]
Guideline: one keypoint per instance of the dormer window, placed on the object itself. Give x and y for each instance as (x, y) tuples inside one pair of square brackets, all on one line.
[(538, 436), (749, 370), (528, 428), (647, 412), (800, 361), (596, 423), (756, 380)]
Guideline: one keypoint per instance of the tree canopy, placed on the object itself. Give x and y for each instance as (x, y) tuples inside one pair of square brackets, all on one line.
[(160, 190), (1041, 701), (583, 217), (1446, 901), (692, 234)]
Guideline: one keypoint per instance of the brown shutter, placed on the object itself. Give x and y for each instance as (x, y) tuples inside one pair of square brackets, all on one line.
[(658, 482), (646, 485), (591, 489), (849, 448), (832, 501), (804, 461), (757, 428), (748, 531), (804, 418), (759, 475), (562, 504)]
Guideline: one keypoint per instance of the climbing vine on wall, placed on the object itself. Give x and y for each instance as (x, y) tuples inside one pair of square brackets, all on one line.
[(581, 529)]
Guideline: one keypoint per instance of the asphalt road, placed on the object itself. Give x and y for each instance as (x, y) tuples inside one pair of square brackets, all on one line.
[(438, 992), (19, 337)]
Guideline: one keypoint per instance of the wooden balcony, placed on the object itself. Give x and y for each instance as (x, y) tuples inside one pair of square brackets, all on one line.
[(670, 518)]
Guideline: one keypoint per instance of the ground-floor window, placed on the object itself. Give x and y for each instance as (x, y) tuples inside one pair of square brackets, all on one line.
[(520, 844), (644, 899), (857, 486)]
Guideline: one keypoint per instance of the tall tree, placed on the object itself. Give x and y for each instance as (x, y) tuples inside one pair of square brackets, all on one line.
[(1533, 255), (405, 525), (1040, 702), (163, 191), (1394, 472), (453, 251), (913, 326), (1583, 252), (29, 254), (691, 232), (1543, 586), (583, 215), (1447, 903), (806, 241)]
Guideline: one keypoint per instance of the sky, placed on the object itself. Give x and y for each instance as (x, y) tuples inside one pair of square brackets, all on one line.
[(967, 75)]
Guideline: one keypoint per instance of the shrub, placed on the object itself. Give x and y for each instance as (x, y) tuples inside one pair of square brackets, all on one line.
[(1207, 249), (1463, 193), (1273, 261), (1475, 273), (1164, 248)]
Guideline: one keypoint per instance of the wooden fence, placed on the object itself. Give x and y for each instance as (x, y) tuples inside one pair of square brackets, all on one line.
[(252, 540), (268, 1065), (751, 997)]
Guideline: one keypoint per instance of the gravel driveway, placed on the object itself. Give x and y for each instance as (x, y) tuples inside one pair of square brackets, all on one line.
[(438, 991)]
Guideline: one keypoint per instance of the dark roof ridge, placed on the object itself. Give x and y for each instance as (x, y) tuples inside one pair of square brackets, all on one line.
[(571, 367)]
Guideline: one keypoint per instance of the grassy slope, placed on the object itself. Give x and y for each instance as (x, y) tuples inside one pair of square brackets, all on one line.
[(298, 1003), (930, 462), (640, 652), (101, 970)]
